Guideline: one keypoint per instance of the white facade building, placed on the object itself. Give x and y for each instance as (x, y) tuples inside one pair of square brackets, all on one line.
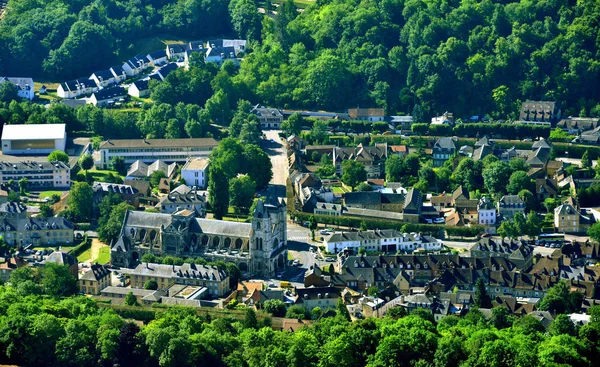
[(24, 86), (150, 150), (40, 174), (194, 172), (33, 138), (486, 211), (387, 240)]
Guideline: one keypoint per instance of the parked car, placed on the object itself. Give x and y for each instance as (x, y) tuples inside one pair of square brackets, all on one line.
[(306, 224), (439, 220), (329, 259), (429, 221), (324, 232), (296, 263)]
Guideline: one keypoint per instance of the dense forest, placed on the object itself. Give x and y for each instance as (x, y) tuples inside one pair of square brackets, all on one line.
[(38, 330), (409, 56), (73, 38)]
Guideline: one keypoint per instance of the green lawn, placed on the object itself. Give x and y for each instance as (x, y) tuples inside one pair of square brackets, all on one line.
[(101, 174), (85, 256), (104, 255), (290, 257), (150, 44), (47, 194), (339, 190)]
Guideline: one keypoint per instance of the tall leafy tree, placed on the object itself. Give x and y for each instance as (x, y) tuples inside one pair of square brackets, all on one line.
[(218, 188)]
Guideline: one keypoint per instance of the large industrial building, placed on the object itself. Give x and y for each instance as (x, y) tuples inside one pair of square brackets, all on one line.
[(33, 139)]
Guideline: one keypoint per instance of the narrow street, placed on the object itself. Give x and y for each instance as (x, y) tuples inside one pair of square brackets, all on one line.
[(275, 148)]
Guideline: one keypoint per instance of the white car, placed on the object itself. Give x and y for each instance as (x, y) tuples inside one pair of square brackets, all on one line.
[(324, 232), (296, 263), (439, 221)]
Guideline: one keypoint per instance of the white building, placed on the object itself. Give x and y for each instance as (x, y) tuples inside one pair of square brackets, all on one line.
[(119, 73), (270, 118), (139, 89), (41, 175), (445, 119), (149, 150), (76, 88), (103, 78), (107, 96), (33, 138), (194, 172), (157, 57), (486, 211), (387, 240), (136, 65), (24, 86)]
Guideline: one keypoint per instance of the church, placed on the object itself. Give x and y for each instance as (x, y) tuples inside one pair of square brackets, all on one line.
[(257, 248)]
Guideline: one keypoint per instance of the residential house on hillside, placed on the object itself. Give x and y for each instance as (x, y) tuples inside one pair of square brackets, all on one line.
[(591, 137), (509, 205), (373, 158), (540, 111), (518, 252), (324, 298), (119, 73), (36, 231), (105, 97), (483, 148), (578, 125), (176, 50), (9, 265), (486, 211), (443, 149), (174, 202), (157, 57), (328, 209), (42, 175), (76, 88), (220, 54), (136, 65), (64, 259), (139, 89), (195, 172), (412, 206), (270, 118), (25, 86), (546, 188), (127, 193), (567, 219), (103, 78), (366, 114), (164, 71), (401, 150), (95, 279), (387, 240), (446, 118)]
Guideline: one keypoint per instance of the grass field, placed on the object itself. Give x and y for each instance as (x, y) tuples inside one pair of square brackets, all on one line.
[(47, 194), (85, 256), (104, 255), (102, 174), (339, 190), (146, 45)]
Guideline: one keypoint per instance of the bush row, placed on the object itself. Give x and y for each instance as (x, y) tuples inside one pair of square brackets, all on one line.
[(82, 247)]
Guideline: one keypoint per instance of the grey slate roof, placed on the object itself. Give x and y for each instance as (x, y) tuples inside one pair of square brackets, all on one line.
[(61, 258), (445, 143), (96, 272), (221, 227), (180, 271), (24, 224)]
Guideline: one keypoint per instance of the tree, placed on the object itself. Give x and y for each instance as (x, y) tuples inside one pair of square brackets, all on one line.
[(58, 156), (110, 226), (250, 132), (193, 128), (130, 299), (151, 284), (246, 19), (250, 321), (586, 161), (594, 232), (257, 164), (80, 199), (58, 281), (241, 192), (528, 198), (293, 124), (298, 312), (394, 168), (518, 182), (275, 307), (534, 225), (46, 211), (342, 310), (495, 177), (353, 172), (482, 299), (557, 299), (86, 162), (373, 291), (117, 164), (218, 187), (363, 226), (500, 318), (8, 92), (562, 324), (23, 185), (156, 177), (318, 132), (363, 186)]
